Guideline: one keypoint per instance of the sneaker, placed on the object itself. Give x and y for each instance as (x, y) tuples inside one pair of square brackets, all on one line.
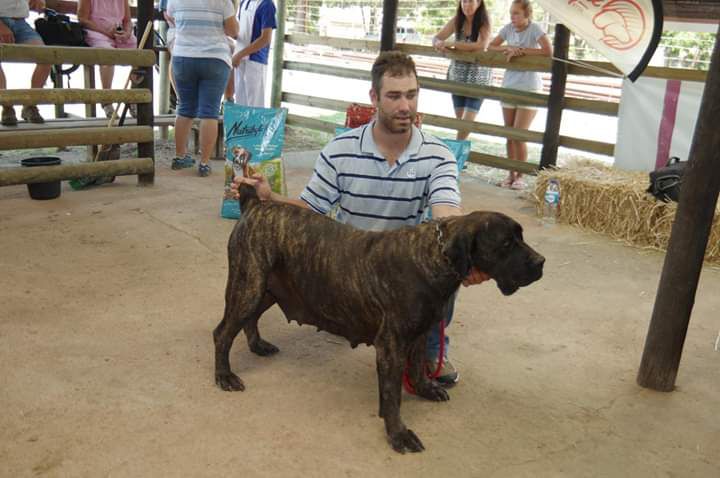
[(181, 163), (31, 114), (204, 170), (8, 116), (448, 375), (109, 110)]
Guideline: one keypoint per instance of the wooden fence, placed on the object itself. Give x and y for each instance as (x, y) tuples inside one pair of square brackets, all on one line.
[(492, 59), (52, 134)]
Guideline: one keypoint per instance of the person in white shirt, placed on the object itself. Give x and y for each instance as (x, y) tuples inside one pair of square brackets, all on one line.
[(520, 37), (201, 68)]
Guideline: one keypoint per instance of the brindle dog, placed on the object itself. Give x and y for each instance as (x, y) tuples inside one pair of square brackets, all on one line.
[(385, 289)]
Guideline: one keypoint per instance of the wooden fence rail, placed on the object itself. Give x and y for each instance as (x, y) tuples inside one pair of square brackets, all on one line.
[(50, 135)]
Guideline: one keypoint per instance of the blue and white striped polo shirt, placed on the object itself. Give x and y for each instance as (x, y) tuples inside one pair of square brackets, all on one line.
[(352, 174), (199, 28)]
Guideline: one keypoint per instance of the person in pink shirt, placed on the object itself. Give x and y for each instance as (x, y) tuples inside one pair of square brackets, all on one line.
[(107, 25)]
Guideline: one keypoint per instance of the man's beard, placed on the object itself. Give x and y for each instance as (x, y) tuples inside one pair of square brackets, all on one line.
[(397, 124)]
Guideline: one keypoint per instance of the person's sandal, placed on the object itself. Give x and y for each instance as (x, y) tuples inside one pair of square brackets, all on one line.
[(506, 183), (518, 185), (31, 114), (181, 163), (204, 170), (8, 116)]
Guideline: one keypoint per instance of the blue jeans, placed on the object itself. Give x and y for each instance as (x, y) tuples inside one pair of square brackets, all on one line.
[(200, 85), (469, 104), (433, 339), (22, 30)]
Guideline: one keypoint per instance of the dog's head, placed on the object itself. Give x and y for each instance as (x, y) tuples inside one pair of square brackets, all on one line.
[(492, 243)]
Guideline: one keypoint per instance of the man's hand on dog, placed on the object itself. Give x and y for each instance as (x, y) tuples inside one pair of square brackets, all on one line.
[(256, 180), (475, 277)]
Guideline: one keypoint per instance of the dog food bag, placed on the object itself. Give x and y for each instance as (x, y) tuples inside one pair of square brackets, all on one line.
[(254, 139)]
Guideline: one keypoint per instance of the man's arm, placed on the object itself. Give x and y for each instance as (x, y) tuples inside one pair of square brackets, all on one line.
[(260, 42), (264, 192)]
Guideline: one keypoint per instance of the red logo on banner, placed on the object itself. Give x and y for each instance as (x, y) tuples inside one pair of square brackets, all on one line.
[(622, 22)]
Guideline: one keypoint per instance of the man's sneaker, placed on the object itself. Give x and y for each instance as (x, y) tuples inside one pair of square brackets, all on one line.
[(181, 163), (31, 114), (8, 116), (109, 110), (204, 170), (448, 375)]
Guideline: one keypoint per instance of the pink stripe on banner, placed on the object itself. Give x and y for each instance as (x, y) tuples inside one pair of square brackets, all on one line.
[(667, 123)]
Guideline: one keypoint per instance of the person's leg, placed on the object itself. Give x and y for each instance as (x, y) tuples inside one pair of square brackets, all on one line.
[(106, 76), (472, 106), (27, 36), (240, 83), (8, 111), (214, 79), (447, 375), (255, 74), (186, 78), (509, 120), (523, 119)]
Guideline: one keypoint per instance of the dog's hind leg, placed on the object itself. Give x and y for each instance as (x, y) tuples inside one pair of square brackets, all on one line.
[(255, 342), (243, 296)]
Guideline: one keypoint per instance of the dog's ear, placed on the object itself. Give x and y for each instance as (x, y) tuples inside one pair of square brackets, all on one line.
[(460, 245)]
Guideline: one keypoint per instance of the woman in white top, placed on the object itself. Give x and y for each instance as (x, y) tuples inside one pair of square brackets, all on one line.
[(201, 67), (519, 38)]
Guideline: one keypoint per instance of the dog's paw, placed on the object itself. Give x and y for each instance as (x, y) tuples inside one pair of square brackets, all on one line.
[(406, 440), (433, 391), (263, 348), (229, 382)]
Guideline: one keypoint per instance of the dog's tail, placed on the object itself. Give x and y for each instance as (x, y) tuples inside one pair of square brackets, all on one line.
[(247, 196)]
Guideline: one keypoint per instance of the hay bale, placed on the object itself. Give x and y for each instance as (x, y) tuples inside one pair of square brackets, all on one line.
[(614, 202)]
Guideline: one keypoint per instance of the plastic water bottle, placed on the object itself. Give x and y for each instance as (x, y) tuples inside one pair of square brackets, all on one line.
[(552, 202)]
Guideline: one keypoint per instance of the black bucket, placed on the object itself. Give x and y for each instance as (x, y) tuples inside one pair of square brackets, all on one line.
[(49, 190)]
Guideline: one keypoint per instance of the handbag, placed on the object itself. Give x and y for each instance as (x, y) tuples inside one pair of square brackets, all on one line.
[(665, 182), (57, 29)]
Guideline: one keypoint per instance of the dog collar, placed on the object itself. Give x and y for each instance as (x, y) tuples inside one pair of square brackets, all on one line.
[(441, 244)]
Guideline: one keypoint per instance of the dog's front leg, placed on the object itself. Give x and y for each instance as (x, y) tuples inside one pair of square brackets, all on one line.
[(424, 386), (390, 364)]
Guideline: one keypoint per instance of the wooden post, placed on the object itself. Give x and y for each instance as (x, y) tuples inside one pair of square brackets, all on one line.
[(146, 13), (389, 23), (688, 240), (551, 140), (278, 50), (90, 110)]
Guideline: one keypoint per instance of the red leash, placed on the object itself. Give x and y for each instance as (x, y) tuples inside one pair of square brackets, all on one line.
[(409, 388)]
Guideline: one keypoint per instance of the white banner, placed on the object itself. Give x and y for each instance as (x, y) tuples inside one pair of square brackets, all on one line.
[(626, 32), (656, 121)]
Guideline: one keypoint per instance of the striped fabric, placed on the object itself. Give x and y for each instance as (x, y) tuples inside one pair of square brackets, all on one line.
[(199, 31), (352, 175)]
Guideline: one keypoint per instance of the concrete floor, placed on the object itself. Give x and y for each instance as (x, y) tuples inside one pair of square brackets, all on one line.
[(109, 297)]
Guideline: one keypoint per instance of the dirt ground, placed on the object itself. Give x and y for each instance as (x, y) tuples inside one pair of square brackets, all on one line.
[(109, 296)]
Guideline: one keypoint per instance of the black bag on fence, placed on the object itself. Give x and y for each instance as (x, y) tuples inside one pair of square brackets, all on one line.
[(56, 29), (665, 182)]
